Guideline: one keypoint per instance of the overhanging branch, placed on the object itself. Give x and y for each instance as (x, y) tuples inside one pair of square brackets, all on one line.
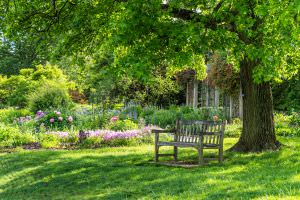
[(209, 21)]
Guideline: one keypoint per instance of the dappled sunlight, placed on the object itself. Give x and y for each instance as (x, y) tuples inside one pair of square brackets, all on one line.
[(127, 172)]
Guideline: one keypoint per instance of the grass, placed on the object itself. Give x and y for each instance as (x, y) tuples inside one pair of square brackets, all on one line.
[(127, 173)]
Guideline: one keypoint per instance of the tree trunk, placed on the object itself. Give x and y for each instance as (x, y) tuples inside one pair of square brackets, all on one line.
[(258, 122)]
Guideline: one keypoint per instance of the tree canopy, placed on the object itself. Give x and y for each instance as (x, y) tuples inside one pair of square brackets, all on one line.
[(142, 35)]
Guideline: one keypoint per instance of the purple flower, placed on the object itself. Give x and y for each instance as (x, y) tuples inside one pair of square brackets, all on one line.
[(57, 112), (111, 135), (39, 114), (52, 120), (59, 134), (22, 119)]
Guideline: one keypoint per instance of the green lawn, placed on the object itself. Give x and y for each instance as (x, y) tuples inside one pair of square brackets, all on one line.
[(127, 172)]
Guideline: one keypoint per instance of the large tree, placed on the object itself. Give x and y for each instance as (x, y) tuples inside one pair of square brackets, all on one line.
[(261, 37), (17, 54)]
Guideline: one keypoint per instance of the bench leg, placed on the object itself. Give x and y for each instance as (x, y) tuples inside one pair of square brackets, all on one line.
[(156, 153), (200, 155), (220, 155), (175, 153)]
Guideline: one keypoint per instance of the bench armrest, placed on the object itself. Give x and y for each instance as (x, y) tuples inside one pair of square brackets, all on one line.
[(157, 132)]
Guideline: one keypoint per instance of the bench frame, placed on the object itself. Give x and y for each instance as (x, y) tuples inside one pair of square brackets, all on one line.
[(197, 134)]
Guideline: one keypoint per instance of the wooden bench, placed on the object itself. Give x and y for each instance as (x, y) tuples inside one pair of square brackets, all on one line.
[(197, 134)]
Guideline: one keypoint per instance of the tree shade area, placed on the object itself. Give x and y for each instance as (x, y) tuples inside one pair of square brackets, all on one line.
[(93, 80), (125, 172)]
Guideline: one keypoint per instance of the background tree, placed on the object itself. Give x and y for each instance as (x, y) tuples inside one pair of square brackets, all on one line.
[(261, 36), (223, 75), (287, 95), (16, 55)]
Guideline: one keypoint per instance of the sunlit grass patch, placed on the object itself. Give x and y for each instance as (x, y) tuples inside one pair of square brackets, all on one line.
[(128, 172)]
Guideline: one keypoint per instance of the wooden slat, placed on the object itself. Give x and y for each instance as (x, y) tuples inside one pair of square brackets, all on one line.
[(187, 133), (182, 144)]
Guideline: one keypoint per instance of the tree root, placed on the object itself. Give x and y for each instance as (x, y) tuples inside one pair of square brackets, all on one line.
[(241, 147)]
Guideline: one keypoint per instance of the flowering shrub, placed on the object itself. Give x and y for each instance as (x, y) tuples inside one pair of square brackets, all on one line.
[(54, 120), (114, 118), (97, 138), (122, 138)]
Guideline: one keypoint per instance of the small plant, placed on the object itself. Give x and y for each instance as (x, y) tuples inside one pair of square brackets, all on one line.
[(89, 121), (13, 137), (122, 125), (11, 115), (49, 140), (234, 129)]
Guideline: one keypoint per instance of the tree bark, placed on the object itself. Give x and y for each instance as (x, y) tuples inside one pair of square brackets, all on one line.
[(258, 132)]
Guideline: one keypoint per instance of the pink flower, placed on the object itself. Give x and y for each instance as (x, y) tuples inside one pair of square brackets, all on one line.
[(60, 119), (57, 112), (114, 118), (52, 120), (215, 118), (70, 119)]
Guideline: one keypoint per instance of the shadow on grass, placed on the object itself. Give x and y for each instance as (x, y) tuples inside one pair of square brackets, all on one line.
[(97, 174)]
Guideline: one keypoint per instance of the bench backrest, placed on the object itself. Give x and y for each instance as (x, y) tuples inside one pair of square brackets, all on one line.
[(204, 132)]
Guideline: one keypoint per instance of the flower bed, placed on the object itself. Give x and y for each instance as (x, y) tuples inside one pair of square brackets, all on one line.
[(97, 138)]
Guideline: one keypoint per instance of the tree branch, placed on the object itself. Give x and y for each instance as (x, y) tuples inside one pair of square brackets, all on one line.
[(209, 22)]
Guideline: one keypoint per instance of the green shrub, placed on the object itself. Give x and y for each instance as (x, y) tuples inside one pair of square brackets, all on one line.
[(118, 106), (12, 136), (50, 96), (91, 122), (92, 142), (148, 111), (131, 112), (122, 125), (193, 115), (287, 125), (8, 115), (209, 113), (163, 118), (234, 129), (129, 141), (49, 140), (121, 142), (295, 119), (167, 118), (14, 90), (185, 109), (28, 126)]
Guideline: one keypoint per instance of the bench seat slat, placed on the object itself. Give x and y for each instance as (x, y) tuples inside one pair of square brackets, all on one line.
[(178, 144)]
